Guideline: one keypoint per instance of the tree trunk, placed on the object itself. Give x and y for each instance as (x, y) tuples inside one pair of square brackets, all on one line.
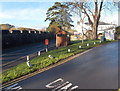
[(95, 26), (96, 18), (82, 38)]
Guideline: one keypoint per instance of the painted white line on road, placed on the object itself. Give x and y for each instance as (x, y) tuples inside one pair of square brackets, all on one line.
[(18, 87), (12, 86), (32, 74), (60, 86), (65, 87), (60, 80), (75, 87)]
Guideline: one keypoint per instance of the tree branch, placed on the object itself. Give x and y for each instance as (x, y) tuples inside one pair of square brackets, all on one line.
[(96, 9), (100, 9), (90, 21)]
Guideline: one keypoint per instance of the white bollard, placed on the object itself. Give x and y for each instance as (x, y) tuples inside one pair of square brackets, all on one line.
[(29, 31), (94, 43), (88, 44), (39, 32), (28, 58), (11, 31), (21, 31), (38, 53), (100, 41), (46, 49), (28, 64), (50, 56), (69, 50), (80, 46)]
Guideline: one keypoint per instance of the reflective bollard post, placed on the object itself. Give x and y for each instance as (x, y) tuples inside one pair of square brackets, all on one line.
[(88, 44), (80, 46), (28, 58), (69, 50), (39, 53), (28, 64)]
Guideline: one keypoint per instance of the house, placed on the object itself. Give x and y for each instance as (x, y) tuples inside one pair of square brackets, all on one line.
[(106, 29), (81, 26)]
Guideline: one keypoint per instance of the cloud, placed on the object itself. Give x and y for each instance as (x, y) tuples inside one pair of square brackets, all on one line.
[(23, 14), (110, 18), (27, 17), (31, 1), (5, 16)]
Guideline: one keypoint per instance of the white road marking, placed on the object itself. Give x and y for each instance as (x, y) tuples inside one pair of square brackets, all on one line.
[(15, 86), (12, 86), (60, 86), (65, 87), (50, 84), (75, 87), (18, 87)]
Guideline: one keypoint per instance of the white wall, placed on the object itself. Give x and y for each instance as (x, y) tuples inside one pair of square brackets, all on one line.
[(79, 28), (109, 34)]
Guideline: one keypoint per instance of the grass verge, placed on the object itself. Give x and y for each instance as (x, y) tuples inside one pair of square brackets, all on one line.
[(43, 60)]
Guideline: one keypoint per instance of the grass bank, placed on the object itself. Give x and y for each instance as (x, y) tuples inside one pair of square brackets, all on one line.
[(43, 60)]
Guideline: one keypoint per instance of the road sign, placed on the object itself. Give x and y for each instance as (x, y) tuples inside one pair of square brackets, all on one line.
[(46, 42)]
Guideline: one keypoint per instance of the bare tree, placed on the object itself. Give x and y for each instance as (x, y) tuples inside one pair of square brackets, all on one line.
[(82, 21), (76, 9), (91, 9)]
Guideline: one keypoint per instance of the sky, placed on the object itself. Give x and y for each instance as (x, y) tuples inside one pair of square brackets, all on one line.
[(32, 14), (25, 14)]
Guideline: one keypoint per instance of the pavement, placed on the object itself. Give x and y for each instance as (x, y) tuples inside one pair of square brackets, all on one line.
[(95, 69)]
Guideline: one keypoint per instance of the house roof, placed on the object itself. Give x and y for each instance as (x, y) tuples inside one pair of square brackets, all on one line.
[(101, 23)]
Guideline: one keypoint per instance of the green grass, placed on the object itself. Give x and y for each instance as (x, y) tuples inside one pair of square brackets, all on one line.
[(44, 61)]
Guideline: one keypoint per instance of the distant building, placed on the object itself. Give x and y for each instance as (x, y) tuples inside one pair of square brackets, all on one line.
[(107, 29), (81, 26)]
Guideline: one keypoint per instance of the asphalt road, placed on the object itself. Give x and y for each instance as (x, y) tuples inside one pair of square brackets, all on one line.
[(10, 56), (96, 69)]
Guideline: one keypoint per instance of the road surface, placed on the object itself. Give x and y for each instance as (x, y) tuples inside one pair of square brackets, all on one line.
[(95, 69), (10, 56)]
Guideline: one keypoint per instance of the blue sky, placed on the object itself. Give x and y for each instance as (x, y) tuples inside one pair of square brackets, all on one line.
[(33, 14), (27, 14)]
